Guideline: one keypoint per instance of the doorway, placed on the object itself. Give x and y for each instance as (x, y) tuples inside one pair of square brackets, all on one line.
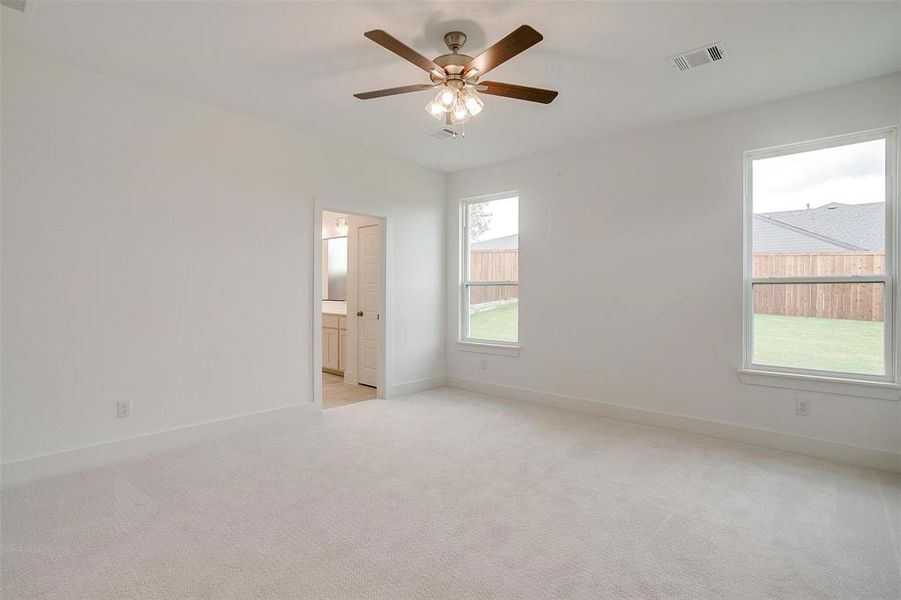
[(350, 270)]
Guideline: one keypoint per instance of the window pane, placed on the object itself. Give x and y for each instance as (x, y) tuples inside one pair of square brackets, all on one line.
[(494, 313), (820, 326), (494, 240), (820, 212)]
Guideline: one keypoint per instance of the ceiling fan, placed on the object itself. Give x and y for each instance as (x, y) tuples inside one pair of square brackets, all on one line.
[(457, 76)]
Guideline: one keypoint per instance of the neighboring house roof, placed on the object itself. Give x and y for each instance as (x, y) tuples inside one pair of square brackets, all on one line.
[(508, 242), (772, 236), (832, 227)]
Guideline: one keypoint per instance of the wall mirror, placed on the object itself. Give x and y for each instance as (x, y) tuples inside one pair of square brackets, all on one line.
[(334, 268)]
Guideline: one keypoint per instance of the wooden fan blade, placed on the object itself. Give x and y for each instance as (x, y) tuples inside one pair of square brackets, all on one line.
[(520, 92), (385, 40), (521, 39), (394, 91)]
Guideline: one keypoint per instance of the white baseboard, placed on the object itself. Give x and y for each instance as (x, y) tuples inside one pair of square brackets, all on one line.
[(789, 442), (85, 457), (417, 385)]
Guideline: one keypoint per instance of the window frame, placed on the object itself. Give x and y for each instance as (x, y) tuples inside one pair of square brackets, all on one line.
[(888, 279), (466, 283)]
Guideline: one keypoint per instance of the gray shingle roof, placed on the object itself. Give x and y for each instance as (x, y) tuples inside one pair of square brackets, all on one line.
[(773, 236), (508, 242), (848, 226)]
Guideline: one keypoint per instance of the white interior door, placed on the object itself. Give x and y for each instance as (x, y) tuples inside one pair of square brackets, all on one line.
[(369, 293)]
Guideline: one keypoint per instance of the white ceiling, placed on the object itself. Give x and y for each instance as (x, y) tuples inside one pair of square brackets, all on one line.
[(298, 63)]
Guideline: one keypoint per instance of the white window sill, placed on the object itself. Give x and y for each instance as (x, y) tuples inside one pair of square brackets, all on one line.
[(489, 348), (882, 390)]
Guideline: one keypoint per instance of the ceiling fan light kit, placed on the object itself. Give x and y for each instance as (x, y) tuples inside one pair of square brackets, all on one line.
[(457, 75), (454, 106)]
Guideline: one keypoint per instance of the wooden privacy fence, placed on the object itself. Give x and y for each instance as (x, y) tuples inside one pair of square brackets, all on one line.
[(857, 301), (493, 265)]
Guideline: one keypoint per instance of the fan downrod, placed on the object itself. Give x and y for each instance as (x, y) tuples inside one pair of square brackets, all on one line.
[(454, 40)]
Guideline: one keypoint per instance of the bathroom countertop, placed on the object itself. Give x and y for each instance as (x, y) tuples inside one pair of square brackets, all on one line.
[(334, 307)]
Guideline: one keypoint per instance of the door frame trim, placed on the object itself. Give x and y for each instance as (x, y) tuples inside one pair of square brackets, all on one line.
[(385, 342)]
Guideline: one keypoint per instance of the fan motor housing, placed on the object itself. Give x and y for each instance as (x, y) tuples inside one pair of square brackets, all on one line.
[(453, 65)]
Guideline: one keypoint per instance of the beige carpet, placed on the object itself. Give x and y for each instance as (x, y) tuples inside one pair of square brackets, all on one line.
[(448, 494)]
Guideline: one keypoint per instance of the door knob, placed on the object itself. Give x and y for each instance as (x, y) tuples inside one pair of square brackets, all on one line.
[(359, 313)]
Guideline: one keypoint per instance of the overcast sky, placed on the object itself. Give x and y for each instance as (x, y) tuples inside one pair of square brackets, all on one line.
[(504, 219), (852, 174)]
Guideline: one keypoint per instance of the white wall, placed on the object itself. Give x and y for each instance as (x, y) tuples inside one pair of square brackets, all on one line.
[(648, 324), (159, 249)]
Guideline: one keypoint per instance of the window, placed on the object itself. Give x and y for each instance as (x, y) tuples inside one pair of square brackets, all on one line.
[(819, 265), (490, 286)]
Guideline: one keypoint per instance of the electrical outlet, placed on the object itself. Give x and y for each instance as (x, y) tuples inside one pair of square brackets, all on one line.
[(123, 409), (802, 407), (484, 365)]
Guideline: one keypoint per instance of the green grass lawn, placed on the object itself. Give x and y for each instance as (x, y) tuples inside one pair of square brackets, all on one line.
[(501, 324), (823, 344)]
